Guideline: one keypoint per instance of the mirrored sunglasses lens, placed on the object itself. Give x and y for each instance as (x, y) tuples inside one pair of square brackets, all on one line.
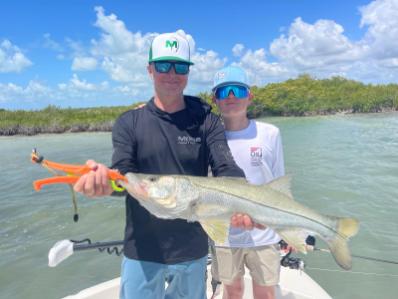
[(221, 93), (181, 68), (239, 92), (162, 67)]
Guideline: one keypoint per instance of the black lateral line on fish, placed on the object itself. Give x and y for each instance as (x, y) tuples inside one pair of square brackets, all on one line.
[(276, 209)]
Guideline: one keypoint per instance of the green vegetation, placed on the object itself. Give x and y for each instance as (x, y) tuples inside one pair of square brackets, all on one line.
[(56, 120), (297, 97), (307, 96)]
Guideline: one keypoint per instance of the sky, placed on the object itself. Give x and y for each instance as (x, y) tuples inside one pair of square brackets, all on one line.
[(84, 53)]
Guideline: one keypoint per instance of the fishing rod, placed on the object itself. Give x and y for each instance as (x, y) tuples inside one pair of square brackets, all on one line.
[(311, 242), (296, 263), (65, 248)]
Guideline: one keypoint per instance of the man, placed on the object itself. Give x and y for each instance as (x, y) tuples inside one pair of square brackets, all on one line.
[(171, 134), (257, 149)]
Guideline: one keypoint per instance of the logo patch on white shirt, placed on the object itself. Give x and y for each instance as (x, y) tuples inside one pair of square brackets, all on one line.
[(256, 154)]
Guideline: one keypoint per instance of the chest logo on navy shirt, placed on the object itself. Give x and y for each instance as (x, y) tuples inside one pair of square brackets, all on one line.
[(256, 154), (188, 140)]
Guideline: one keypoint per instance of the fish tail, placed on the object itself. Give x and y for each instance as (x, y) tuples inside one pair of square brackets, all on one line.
[(346, 228)]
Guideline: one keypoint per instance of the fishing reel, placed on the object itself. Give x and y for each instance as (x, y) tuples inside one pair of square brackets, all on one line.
[(295, 262), (292, 262)]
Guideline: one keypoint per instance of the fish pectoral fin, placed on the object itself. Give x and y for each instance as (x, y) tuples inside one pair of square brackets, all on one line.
[(216, 229), (281, 184), (295, 237)]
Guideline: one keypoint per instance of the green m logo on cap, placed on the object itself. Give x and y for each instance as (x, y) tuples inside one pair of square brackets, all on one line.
[(172, 44)]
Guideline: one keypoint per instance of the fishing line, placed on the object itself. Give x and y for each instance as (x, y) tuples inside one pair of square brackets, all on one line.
[(375, 259), (362, 257), (35, 157), (353, 272), (74, 202)]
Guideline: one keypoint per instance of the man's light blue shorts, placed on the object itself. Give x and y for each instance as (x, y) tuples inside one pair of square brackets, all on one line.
[(140, 279)]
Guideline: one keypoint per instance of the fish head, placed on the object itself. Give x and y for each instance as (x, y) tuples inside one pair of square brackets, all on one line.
[(166, 197), (161, 190)]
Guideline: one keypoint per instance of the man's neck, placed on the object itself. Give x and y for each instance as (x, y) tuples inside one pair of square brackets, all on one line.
[(170, 104), (236, 123)]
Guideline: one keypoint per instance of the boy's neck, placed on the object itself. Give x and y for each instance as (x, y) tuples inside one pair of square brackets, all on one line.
[(236, 123)]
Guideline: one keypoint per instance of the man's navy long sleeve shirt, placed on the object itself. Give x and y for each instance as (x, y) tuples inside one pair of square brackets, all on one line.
[(187, 142)]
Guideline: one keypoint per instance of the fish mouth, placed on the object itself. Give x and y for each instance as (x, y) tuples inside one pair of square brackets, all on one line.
[(135, 187)]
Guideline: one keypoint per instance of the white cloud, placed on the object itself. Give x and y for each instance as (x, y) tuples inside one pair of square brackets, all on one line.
[(320, 48), (202, 73), (320, 45), (381, 17), (123, 54), (125, 68), (11, 58), (10, 88), (77, 47), (261, 71), (129, 90), (189, 38), (37, 88), (323, 50), (76, 92), (115, 38), (389, 62), (84, 64), (33, 91), (51, 44), (77, 84), (237, 50)]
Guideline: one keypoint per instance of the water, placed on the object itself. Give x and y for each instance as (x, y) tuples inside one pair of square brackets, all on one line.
[(342, 165)]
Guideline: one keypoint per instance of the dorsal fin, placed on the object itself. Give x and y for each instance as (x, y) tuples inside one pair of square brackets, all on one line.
[(282, 184)]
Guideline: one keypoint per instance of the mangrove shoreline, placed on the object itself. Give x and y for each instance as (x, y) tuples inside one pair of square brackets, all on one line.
[(107, 126), (303, 96)]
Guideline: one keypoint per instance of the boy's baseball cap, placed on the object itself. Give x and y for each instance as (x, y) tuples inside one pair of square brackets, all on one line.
[(170, 46), (230, 75)]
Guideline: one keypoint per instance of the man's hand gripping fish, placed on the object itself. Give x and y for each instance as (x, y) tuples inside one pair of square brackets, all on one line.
[(212, 202)]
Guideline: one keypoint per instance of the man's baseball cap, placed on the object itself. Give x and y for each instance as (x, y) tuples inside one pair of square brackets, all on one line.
[(170, 46), (230, 75)]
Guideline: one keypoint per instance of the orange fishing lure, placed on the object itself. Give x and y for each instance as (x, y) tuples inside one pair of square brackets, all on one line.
[(70, 175), (73, 173)]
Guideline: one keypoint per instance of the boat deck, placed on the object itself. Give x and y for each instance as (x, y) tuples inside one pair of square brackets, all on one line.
[(294, 284)]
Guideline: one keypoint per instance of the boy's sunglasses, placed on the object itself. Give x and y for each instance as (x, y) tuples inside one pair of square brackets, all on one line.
[(239, 91), (163, 67)]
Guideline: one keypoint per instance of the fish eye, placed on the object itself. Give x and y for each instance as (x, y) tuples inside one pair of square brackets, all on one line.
[(152, 179)]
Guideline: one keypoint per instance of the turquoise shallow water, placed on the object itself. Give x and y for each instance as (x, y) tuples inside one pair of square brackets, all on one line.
[(340, 165)]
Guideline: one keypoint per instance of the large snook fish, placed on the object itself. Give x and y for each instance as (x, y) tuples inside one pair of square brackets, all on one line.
[(212, 202)]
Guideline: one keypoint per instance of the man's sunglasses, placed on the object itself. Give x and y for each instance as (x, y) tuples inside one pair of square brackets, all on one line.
[(239, 91), (163, 67)]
